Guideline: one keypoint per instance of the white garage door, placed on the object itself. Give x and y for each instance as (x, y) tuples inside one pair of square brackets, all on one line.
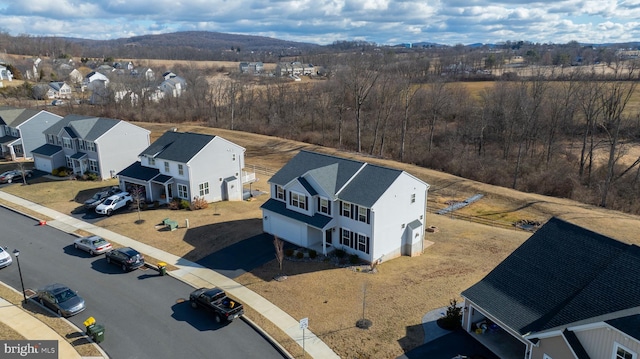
[(42, 164), (288, 230)]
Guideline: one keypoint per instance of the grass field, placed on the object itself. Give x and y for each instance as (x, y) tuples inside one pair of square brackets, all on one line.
[(402, 290)]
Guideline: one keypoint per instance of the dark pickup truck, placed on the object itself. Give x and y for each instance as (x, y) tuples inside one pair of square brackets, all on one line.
[(215, 300)]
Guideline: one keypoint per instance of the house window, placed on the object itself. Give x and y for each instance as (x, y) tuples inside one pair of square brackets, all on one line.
[(363, 214), (323, 206), (181, 172), (280, 193), (621, 352), (413, 198), (152, 161), (93, 165), (66, 142), (346, 209), (345, 237), (51, 139), (90, 146), (69, 162), (182, 191), (363, 243), (204, 188), (298, 200), (166, 166)]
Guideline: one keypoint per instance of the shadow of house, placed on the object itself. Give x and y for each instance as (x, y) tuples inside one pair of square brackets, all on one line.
[(455, 343)]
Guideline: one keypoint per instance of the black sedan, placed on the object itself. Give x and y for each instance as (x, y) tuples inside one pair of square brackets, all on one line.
[(61, 299), (128, 258), (100, 196)]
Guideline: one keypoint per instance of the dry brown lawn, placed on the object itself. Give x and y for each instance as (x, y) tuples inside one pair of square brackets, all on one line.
[(402, 290)]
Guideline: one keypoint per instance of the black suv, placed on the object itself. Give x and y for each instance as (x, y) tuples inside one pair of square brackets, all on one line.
[(128, 258), (99, 197)]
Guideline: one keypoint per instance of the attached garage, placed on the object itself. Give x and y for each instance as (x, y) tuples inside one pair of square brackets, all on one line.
[(43, 164)]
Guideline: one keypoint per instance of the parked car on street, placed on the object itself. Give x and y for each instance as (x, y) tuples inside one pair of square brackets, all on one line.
[(92, 244), (113, 203), (61, 299), (57, 102), (215, 300), (127, 258), (14, 175), (5, 257), (101, 196)]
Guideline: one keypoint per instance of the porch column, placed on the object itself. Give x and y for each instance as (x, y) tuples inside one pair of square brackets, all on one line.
[(324, 242)]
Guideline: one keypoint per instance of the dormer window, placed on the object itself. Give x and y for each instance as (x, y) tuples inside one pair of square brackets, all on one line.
[(166, 167), (323, 206), (298, 200), (280, 193), (152, 161)]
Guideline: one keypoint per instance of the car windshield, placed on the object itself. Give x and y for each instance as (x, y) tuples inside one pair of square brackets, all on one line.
[(99, 242), (65, 295), (108, 202), (96, 196), (1, 250)]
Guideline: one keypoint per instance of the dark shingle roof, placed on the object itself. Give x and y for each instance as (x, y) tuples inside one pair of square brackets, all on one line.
[(47, 150), (629, 325), (317, 220), (13, 117), (366, 182), (137, 171), (177, 146), (562, 274)]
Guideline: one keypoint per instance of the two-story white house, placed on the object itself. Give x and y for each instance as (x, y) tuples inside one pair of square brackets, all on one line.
[(324, 202), (21, 130), (187, 165), (99, 145)]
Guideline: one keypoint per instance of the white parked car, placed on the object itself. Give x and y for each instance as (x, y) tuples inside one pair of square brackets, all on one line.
[(113, 203), (5, 257)]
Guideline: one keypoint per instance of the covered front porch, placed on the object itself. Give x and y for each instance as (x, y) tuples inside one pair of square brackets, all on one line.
[(491, 333)]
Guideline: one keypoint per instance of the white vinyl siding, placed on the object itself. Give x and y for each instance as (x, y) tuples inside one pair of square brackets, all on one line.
[(204, 189)]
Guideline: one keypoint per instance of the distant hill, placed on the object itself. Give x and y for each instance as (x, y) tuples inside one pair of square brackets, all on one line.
[(194, 45)]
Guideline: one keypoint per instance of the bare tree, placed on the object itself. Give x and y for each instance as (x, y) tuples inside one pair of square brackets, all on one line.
[(279, 246), (137, 193)]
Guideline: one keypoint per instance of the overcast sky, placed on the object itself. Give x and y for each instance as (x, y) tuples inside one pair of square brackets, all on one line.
[(325, 21)]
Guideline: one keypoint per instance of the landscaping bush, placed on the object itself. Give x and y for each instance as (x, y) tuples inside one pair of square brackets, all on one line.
[(184, 204), (55, 171), (340, 253), (354, 259), (156, 204), (453, 318), (91, 176), (174, 204), (288, 252), (312, 254), (299, 255), (198, 203)]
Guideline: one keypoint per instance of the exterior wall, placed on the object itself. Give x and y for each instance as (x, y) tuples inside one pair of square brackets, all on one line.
[(119, 147), (393, 212), (218, 160), (555, 347), (31, 130), (297, 188), (599, 342)]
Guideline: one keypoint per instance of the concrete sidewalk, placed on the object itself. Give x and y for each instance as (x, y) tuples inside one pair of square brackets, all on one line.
[(190, 273)]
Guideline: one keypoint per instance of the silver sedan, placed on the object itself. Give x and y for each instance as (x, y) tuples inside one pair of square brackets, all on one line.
[(92, 244)]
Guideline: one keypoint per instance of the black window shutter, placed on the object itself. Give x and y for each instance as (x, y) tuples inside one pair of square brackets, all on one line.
[(367, 248), (284, 193), (356, 212), (340, 209), (290, 201), (368, 215), (318, 204), (351, 244), (329, 203), (306, 202), (353, 206)]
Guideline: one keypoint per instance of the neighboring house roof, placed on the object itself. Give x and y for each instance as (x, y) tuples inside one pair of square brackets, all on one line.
[(47, 150), (13, 117), (561, 275), (6, 140), (350, 180), (177, 146), (86, 127), (57, 86), (629, 325)]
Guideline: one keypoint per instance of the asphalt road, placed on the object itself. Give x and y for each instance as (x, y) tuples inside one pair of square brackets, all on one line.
[(145, 315)]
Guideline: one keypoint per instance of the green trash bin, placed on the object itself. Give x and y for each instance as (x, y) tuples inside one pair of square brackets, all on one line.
[(162, 268), (96, 332)]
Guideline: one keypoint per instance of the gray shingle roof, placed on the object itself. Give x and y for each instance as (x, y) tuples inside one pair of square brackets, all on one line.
[(317, 220), (177, 146), (47, 150), (13, 117), (367, 182), (137, 171), (86, 127), (562, 274)]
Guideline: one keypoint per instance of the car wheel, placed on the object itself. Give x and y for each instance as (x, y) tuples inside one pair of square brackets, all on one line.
[(194, 304), (59, 312), (9, 180), (124, 268), (41, 301), (109, 212), (92, 252), (75, 245), (218, 318), (108, 260)]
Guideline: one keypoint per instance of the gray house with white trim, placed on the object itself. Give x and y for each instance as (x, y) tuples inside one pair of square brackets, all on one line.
[(21, 130), (566, 292), (186, 165), (325, 202), (99, 145)]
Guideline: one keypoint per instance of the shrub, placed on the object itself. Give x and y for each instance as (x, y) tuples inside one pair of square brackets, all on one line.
[(453, 318), (299, 255), (312, 253), (62, 173), (354, 259), (184, 204), (156, 204), (90, 176), (198, 203), (174, 204), (55, 172), (340, 253), (288, 252)]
